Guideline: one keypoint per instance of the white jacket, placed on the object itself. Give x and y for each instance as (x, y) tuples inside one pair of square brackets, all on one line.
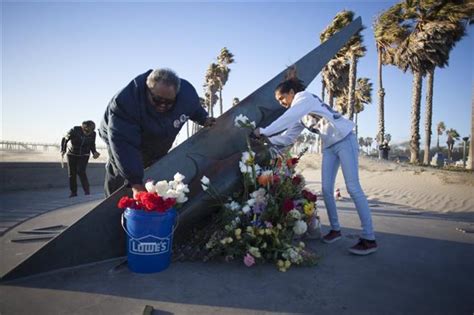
[(331, 125)]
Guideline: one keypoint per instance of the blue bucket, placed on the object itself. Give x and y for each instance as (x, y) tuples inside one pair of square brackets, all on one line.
[(149, 239)]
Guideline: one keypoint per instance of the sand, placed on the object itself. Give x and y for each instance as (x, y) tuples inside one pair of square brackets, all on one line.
[(419, 188)]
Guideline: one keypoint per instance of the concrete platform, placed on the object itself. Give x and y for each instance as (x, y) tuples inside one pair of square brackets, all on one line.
[(424, 266)]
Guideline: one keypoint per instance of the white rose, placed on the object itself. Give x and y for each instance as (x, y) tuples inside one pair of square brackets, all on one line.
[(246, 209), (150, 187), (300, 227), (178, 177), (161, 187)]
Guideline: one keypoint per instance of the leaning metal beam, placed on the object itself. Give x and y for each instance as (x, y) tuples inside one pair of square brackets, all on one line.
[(213, 152)]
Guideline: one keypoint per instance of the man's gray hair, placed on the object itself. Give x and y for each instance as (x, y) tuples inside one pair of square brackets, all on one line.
[(163, 75)]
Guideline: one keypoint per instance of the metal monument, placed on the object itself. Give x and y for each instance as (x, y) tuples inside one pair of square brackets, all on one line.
[(213, 152)]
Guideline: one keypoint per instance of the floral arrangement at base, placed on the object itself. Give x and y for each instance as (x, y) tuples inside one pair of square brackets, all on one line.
[(269, 216), (159, 197)]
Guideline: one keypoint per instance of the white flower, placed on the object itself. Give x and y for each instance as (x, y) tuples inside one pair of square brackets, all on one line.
[(245, 209), (246, 157), (161, 187), (244, 168), (233, 206), (150, 187), (251, 202), (295, 214), (204, 188), (178, 177), (181, 198), (243, 121), (171, 193), (300, 227), (182, 188), (255, 252), (205, 181)]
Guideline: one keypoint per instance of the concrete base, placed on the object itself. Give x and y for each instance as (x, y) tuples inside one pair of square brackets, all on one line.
[(424, 265)]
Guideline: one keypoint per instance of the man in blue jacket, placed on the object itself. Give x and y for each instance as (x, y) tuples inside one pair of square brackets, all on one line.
[(141, 123)]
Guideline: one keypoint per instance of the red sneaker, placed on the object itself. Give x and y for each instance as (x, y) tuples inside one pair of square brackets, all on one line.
[(364, 247), (332, 236)]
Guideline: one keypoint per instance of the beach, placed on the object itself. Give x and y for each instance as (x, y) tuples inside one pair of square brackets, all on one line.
[(425, 189)]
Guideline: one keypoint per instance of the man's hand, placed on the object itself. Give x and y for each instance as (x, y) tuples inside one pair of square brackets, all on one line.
[(137, 188), (210, 121), (95, 155)]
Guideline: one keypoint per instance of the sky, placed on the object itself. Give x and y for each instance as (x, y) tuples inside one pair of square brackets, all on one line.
[(63, 61)]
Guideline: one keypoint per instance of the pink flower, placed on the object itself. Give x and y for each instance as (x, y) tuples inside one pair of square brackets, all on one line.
[(249, 261)]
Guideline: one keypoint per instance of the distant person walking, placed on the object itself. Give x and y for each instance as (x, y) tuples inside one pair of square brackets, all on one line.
[(82, 143), (339, 149), (141, 123)]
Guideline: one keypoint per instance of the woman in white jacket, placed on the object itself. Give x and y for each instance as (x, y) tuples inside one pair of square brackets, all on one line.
[(340, 148)]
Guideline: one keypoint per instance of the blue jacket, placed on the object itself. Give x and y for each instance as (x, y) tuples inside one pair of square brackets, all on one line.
[(137, 135)]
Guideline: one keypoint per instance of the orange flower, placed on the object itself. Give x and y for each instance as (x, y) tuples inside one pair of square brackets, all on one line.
[(265, 179)]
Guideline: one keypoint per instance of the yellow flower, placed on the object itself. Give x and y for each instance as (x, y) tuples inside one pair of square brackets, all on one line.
[(279, 226), (287, 264), (309, 209), (301, 245), (280, 263), (261, 231), (237, 232), (249, 229), (268, 231), (255, 252)]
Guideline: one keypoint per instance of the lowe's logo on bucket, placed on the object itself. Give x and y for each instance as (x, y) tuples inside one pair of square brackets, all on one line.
[(149, 245)]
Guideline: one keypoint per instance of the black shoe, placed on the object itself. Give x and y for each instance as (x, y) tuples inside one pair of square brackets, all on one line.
[(87, 193), (73, 195), (364, 247)]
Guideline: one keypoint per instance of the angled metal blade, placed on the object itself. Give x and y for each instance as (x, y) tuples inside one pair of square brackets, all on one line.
[(215, 152)]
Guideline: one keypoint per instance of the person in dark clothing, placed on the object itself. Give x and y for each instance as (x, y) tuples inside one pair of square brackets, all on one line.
[(384, 148), (141, 123), (82, 143)]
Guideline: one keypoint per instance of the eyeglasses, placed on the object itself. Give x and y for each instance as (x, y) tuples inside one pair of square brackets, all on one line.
[(161, 101)]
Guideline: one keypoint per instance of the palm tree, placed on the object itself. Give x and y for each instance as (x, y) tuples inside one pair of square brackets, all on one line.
[(368, 143), (426, 32), (352, 51), (211, 86), (362, 96), (440, 129), (452, 136), (196, 127), (336, 77), (361, 142), (224, 59), (235, 101), (470, 160)]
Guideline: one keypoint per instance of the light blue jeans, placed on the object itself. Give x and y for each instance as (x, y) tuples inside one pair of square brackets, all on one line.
[(345, 153)]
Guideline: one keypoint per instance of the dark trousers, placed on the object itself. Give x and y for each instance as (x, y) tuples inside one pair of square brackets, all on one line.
[(113, 181), (77, 165)]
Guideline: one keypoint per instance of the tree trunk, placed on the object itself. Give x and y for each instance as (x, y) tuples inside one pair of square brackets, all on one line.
[(428, 114), (381, 98), (357, 125), (323, 89), (470, 159), (415, 118), (220, 99), (352, 84), (330, 98)]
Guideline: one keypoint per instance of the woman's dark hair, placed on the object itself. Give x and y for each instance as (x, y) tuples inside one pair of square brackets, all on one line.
[(294, 84)]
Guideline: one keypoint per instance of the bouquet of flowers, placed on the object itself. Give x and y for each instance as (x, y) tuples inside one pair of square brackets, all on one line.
[(262, 223), (159, 196)]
